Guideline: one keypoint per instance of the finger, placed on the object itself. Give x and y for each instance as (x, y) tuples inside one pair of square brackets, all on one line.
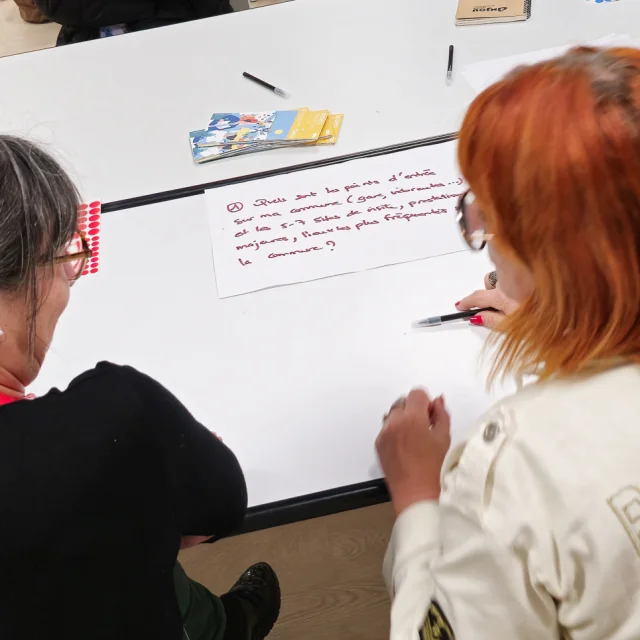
[(490, 280), (398, 404), (491, 319), (440, 417), (483, 298), (418, 401)]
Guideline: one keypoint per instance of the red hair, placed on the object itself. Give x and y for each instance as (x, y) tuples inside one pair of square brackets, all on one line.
[(552, 154)]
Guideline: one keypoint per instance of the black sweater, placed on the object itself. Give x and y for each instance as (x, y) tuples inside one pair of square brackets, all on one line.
[(97, 485), (104, 13)]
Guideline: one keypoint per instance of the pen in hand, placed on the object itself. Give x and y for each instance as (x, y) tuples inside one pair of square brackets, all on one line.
[(434, 321)]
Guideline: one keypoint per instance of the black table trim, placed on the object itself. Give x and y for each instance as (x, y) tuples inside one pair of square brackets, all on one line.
[(186, 192), (315, 505)]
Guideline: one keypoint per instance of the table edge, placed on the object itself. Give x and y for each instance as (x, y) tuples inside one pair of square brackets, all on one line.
[(314, 505)]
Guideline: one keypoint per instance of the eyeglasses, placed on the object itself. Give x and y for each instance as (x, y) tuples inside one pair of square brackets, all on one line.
[(471, 222), (77, 253)]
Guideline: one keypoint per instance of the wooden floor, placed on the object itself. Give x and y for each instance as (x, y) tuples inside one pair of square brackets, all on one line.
[(329, 569)]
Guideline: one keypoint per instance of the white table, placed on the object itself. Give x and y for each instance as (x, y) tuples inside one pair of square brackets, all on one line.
[(119, 110), (295, 378)]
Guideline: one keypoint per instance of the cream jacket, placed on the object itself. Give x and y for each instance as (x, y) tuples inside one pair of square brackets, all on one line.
[(537, 532)]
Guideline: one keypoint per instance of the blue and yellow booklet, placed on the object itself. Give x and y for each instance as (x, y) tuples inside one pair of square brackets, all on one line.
[(230, 134)]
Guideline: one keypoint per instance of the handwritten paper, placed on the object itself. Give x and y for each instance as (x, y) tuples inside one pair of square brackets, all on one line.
[(357, 215), (481, 75)]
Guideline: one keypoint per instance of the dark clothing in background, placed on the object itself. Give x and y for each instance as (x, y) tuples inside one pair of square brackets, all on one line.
[(97, 485), (81, 19)]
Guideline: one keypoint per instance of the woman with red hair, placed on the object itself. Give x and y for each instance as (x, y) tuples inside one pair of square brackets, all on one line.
[(531, 528)]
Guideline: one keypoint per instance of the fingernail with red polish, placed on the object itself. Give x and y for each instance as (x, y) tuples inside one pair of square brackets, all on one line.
[(457, 303), (476, 320)]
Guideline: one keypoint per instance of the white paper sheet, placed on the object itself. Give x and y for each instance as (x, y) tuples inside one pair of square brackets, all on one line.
[(353, 216), (480, 75)]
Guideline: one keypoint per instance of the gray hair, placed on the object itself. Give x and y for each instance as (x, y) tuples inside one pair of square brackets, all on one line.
[(38, 217)]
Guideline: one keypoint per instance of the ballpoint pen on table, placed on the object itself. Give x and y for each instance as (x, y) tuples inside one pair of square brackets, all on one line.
[(266, 85), (450, 65)]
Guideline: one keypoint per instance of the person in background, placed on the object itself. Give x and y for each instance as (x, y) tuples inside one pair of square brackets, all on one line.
[(531, 528), (83, 20), (103, 483), (29, 12)]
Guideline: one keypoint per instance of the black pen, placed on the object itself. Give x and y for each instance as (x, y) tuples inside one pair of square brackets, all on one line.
[(266, 85), (450, 65), (434, 321)]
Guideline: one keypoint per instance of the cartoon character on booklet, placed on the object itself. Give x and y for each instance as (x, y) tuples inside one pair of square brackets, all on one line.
[(224, 121)]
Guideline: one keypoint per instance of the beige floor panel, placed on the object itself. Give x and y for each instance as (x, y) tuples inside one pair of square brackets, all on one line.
[(17, 36)]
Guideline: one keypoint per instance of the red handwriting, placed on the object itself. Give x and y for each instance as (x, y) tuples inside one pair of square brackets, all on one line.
[(316, 206), (362, 199), (410, 176), (382, 207), (410, 189), (368, 183), (255, 245), (409, 216), (286, 225), (443, 196), (420, 174), (365, 223), (263, 202), (295, 252), (383, 201), (308, 234)]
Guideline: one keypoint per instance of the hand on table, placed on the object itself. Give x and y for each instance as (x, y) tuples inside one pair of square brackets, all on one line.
[(411, 446), (490, 296)]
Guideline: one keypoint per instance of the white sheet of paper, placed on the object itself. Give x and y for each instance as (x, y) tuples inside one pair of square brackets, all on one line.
[(480, 75), (353, 216)]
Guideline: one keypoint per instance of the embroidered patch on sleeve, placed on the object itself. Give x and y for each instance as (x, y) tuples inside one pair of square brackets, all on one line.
[(626, 505), (436, 626)]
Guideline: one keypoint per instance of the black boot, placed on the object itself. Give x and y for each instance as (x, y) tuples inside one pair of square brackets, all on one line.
[(253, 604)]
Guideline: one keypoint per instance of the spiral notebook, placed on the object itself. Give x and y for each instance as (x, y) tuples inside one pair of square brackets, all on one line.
[(478, 12)]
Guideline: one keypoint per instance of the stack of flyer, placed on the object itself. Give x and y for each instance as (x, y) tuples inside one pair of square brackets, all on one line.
[(232, 134)]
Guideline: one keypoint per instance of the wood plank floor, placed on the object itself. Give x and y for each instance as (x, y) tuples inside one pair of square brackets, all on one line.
[(329, 568)]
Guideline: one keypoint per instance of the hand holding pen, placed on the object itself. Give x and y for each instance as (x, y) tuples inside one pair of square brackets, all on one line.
[(483, 308), (491, 296)]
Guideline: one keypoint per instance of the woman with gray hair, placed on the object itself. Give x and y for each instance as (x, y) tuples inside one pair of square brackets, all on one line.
[(103, 483)]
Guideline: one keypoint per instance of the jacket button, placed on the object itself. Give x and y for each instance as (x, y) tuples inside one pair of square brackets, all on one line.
[(490, 432)]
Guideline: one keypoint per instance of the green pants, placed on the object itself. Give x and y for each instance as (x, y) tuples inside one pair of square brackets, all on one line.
[(203, 616)]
